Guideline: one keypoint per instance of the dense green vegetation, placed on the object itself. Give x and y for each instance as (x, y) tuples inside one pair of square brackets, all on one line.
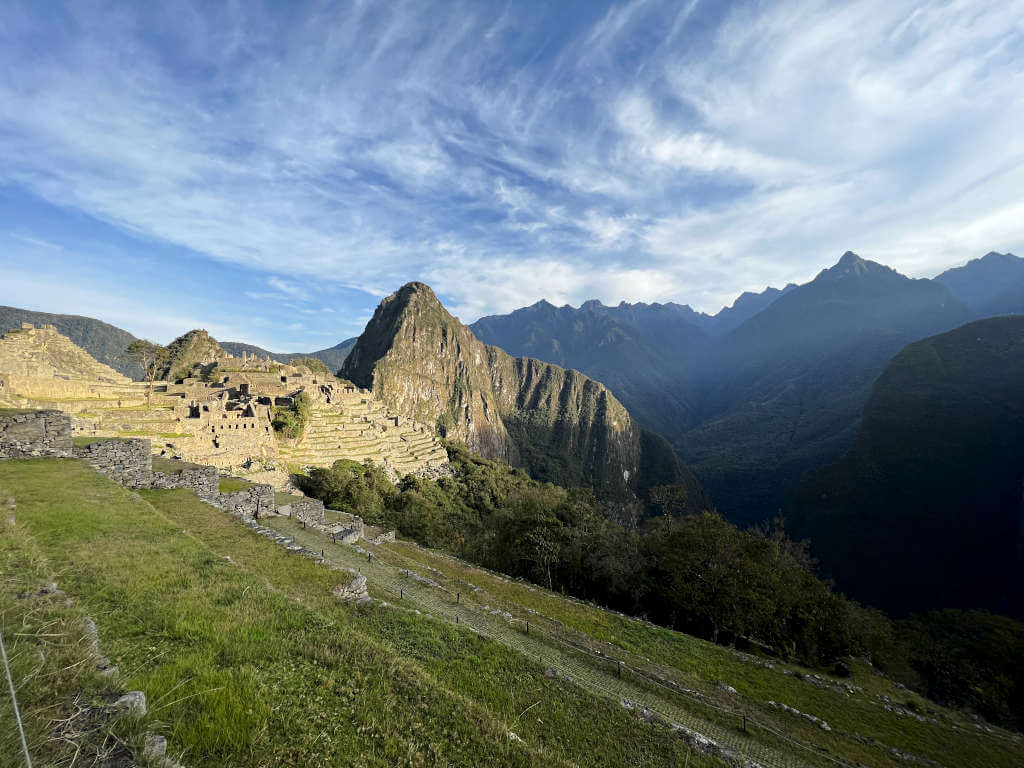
[(697, 572), (182, 355), (290, 420)]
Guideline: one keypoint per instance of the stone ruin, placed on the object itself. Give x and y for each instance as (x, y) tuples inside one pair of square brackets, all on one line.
[(221, 417)]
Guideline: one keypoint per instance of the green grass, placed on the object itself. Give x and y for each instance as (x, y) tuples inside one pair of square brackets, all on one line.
[(144, 433), (56, 678), (172, 466), (281, 499), (16, 411), (699, 665), (233, 484), (247, 659), (81, 442)]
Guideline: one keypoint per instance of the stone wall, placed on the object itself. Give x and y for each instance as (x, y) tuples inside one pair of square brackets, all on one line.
[(305, 510), (127, 461), (257, 499), (25, 434), (203, 481)]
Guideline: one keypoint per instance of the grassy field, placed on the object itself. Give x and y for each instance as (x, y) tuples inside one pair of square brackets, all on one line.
[(233, 484), (247, 659), (861, 729)]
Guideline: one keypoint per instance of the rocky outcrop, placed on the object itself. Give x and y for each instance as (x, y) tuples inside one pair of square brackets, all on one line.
[(557, 423)]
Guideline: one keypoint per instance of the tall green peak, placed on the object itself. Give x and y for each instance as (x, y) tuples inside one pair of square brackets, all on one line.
[(188, 351)]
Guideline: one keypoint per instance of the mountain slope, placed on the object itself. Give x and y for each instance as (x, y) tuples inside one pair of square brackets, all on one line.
[(783, 392), (103, 341), (747, 305), (991, 285), (926, 508), (643, 353), (557, 423), (332, 357)]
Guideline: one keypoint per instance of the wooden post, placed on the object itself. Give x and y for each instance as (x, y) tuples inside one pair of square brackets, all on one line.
[(458, 597), (368, 556), (401, 594), (619, 667), (456, 618), (527, 626)]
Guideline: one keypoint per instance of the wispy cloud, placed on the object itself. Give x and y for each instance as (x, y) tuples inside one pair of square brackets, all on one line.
[(639, 151)]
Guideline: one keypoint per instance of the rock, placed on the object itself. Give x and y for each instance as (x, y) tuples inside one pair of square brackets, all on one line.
[(842, 669), (132, 703), (514, 737), (154, 747), (354, 591), (726, 688)]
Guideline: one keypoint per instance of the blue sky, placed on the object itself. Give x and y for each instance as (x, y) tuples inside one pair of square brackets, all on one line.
[(268, 172)]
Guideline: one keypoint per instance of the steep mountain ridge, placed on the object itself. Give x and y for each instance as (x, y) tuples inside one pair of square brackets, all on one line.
[(925, 510), (559, 424)]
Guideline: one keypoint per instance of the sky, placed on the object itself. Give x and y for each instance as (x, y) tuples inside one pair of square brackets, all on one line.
[(270, 171)]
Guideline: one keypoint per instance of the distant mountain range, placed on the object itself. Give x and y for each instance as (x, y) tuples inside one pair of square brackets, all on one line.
[(925, 510), (764, 393), (332, 357)]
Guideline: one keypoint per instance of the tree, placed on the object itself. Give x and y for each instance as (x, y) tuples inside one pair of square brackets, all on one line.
[(151, 357)]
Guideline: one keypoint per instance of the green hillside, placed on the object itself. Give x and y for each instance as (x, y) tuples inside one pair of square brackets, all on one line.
[(925, 510), (246, 658)]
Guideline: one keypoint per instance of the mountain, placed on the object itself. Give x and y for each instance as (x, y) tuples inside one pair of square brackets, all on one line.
[(557, 423), (925, 510), (782, 393), (333, 357), (747, 305), (642, 352), (103, 341), (991, 285), (188, 351)]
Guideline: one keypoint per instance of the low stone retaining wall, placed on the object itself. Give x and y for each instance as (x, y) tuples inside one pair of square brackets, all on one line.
[(127, 461), (257, 499), (202, 480), (305, 510), (26, 434)]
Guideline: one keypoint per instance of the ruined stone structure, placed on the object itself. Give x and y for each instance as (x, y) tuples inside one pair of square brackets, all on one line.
[(255, 501), (306, 510), (128, 462), (25, 434), (218, 415), (203, 481)]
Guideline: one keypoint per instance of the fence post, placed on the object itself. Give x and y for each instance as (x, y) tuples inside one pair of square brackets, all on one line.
[(458, 597), (401, 594), (527, 626)]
